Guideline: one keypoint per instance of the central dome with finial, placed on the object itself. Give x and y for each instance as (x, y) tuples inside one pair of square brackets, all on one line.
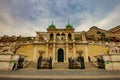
[(52, 26), (69, 25)]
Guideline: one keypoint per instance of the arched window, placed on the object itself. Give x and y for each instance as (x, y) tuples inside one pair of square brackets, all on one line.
[(63, 36), (51, 36), (69, 36), (58, 34)]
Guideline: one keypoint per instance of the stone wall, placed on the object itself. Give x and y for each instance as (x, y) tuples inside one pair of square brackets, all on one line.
[(32, 51), (91, 50), (26, 50)]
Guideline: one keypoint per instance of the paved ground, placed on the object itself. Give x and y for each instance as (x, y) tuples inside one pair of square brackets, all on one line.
[(46, 74)]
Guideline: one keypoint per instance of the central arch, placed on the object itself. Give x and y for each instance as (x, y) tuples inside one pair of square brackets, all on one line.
[(60, 55)]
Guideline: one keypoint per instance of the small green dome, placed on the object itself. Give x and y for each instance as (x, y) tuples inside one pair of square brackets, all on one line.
[(52, 26), (68, 25)]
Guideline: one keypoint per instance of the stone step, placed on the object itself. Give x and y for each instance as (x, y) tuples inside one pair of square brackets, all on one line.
[(60, 65), (89, 65)]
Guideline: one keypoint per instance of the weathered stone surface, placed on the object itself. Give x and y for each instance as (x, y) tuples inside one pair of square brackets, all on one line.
[(5, 57), (115, 57), (4, 65)]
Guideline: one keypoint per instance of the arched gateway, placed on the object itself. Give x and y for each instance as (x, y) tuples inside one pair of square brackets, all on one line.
[(60, 55)]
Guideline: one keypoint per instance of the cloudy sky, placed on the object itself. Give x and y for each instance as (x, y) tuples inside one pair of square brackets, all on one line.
[(24, 17)]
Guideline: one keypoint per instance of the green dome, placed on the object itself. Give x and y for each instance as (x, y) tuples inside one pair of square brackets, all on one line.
[(52, 26), (68, 25)]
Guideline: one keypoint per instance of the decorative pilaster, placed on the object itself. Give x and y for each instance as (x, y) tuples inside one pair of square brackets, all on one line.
[(48, 36), (66, 53), (54, 37), (74, 50), (54, 53), (86, 53), (84, 37), (34, 53), (66, 37), (46, 50), (73, 36)]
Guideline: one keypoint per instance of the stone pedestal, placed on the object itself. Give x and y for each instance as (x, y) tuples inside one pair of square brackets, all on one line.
[(112, 61), (6, 60)]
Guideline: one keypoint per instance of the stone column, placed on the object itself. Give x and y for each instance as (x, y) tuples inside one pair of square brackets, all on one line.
[(74, 51), (54, 52), (46, 50), (86, 53), (66, 57)]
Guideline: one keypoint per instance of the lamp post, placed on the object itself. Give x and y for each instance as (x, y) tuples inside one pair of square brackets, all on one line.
[(41, 52)]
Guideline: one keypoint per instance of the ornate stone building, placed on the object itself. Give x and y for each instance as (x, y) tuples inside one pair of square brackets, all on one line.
[(58, 43), (61, 44)]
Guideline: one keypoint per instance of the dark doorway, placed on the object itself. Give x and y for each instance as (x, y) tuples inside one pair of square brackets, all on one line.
[(60, 55)]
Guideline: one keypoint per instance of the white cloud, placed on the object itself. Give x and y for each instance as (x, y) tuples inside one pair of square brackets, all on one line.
[(111, 20), (24, 17)]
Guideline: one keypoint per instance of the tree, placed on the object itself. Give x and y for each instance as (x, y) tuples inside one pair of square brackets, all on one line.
[(13, 38), (20, 38), (5, 38), (102, 35)]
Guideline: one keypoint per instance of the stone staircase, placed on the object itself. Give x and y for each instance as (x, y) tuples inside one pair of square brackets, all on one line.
[(90, 65), (60, 65)]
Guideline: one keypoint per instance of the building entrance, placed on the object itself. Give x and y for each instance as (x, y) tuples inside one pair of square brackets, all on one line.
[(60, 55)]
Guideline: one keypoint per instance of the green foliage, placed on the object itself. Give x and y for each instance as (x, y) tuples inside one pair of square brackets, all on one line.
[(102, 35), (108, 39)]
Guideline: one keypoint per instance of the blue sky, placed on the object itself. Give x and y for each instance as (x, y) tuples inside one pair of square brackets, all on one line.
[(24, 17)]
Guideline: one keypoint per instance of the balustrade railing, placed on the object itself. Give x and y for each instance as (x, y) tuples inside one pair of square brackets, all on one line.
[(44, 63), (76, 63)]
